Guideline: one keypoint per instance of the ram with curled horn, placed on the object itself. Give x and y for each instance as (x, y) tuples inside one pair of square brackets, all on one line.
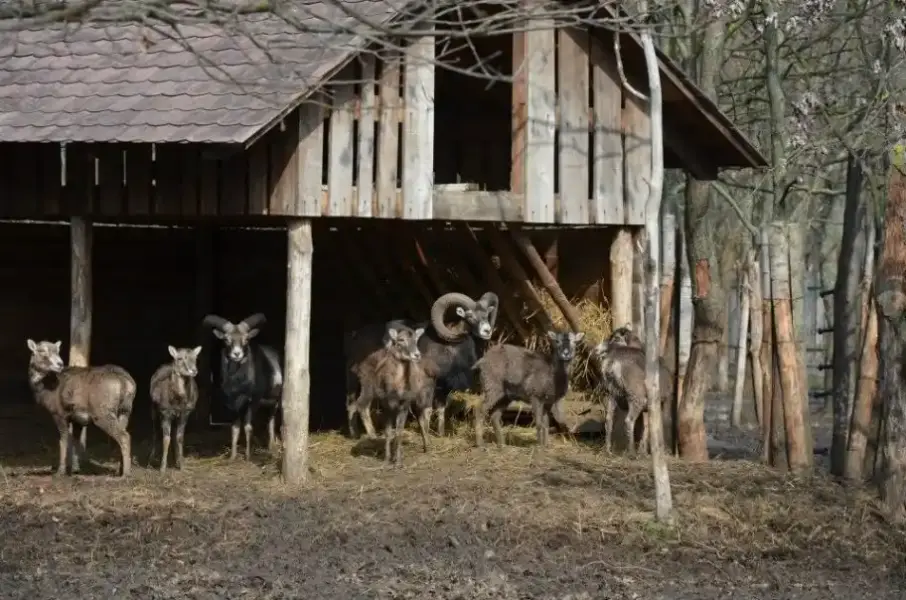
[(251, 376), (453, 348)]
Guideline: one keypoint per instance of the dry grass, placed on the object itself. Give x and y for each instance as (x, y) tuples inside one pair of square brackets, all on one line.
[(725, 509)]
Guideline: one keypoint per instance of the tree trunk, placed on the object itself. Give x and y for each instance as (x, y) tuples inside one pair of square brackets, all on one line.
[(796, 259), (668, 274), (755, 335), (865, 398), (769, 439), (890, 290), (638, 285), (708, 296), (739, 381), (663, 497), (80, 313), (847, 315), (794, 393)]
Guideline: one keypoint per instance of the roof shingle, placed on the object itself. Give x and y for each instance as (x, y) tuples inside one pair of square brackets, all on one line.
[(201, 83)]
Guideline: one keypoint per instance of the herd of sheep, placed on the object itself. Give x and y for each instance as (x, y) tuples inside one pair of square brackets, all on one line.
[(399, 366)]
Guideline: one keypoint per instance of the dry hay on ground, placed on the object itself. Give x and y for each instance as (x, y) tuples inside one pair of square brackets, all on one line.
[(456, 523)]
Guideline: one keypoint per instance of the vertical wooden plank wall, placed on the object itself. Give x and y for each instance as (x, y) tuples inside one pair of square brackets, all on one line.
[(418, 130), (636, 157), (365, 176), (541, 105), (388, 137), (340, 172), (607, 186), (573, 99)]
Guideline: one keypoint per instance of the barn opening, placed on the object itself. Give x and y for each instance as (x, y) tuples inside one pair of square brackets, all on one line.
[(153, 284)]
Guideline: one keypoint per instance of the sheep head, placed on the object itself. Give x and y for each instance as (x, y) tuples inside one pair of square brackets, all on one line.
[(402, 343), (185, 360), (625, 336), (235, 337), (479, 317), (564, 343), (45, 356)]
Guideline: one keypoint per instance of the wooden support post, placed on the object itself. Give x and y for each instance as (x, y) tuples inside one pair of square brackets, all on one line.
[(547, 280), (205, 270), (621, 279), (296, 385), (638, 286), (80, 235), (418, 130)]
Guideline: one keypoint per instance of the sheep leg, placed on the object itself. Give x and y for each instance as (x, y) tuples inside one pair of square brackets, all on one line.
[(497, 422), (631, 416), (401, 417), (114, 426), (248, 431), (478, 413), (546, 426), (65, 435), (166, 426), (365, 415), (272, 432), (153, 451), (538, 415), (609, 413), (180, 438), (424, 423), (79, 448), (440, 407), (388, 438), (643, 444), (234, 437)]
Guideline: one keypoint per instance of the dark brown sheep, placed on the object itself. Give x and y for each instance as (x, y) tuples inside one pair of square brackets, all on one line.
[(510, 372), (101, 395), (174, 394)]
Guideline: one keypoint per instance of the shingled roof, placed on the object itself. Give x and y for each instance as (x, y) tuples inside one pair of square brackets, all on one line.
[(129, 83), (226, 84)]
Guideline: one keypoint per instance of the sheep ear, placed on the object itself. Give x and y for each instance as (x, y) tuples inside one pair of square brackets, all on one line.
[(419, 332), (57, 345), (552, 335), (172, 351), (31, 344), (577, 337), (196, 351), (218, 334), (253, 333), (392, 334)]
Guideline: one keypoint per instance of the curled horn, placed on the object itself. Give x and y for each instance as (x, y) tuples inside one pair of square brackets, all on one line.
[(489, 299), (218, 322), (252, 321), (440, 307)]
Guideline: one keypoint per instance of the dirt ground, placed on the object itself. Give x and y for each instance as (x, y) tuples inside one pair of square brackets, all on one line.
[(463, 523)]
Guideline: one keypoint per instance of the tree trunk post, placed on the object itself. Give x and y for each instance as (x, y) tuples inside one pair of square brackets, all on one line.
[(767, 353), (739, 380), (890, 296), (668, 273), (794, 393), (81, 239), (296, 385), (621, 279), (797, 271), (756, 333)]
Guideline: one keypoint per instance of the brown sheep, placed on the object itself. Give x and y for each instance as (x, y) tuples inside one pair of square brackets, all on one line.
[(101, 395), (174, 394)]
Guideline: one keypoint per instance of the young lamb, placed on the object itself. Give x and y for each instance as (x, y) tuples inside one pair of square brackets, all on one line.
[(396, 379), (510, 372), (623, 382), (101, 395), (174, 393)]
